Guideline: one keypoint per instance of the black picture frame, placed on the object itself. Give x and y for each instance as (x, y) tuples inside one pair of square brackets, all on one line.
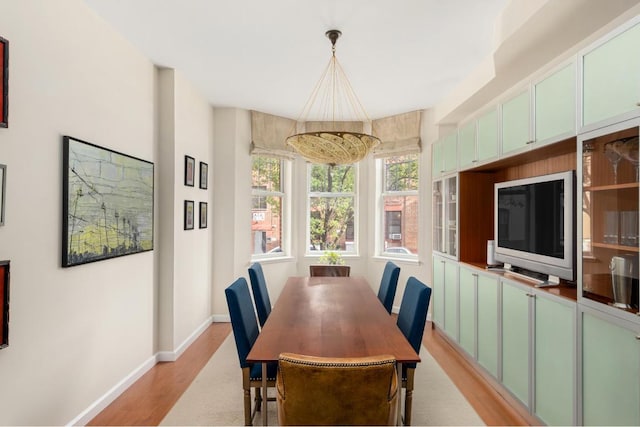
[(4, 83), (188, 214), (204, 175), (189, 171), (203, 214), (4, 303), (107, 203)]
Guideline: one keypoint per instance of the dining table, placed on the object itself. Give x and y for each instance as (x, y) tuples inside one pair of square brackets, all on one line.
[(330, 317)]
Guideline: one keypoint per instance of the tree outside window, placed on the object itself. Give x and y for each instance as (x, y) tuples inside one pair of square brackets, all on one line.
[(332, 207), (400, 205), (266, 211)]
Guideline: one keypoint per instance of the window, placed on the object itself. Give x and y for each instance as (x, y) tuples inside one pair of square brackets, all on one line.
[(332, 208), (399, 204), (267, 205)]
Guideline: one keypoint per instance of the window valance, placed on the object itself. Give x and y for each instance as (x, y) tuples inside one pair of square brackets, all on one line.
[(268, 135), (399, 134), (355, 126)]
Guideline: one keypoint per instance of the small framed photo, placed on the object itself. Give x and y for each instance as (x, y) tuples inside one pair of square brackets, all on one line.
[(203, 214), (3, 186), (4, 83), (189, 170), (188, 214), (204, 175)]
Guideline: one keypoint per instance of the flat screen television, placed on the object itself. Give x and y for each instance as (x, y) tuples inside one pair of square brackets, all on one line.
[(535, 224)]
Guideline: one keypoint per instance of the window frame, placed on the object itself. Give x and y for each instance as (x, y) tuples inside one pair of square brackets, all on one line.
[(380, 215), (285, 210), (319, 194)]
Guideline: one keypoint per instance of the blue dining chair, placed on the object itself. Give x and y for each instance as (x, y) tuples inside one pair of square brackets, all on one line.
[(245, 331), (388, 285), (412, 318), (260, 292)]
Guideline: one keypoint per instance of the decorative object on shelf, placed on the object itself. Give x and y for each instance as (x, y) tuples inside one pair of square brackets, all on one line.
[(4, 304), (335, 142), (189, 170), (188, 214), (628, 148), (331, 258), (4, 83), (107, 203), (614, 157), (203, 214), (204, 175), (3, 188)]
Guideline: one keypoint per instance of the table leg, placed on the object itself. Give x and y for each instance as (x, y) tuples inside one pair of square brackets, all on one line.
[(265, 406), (399, 368)]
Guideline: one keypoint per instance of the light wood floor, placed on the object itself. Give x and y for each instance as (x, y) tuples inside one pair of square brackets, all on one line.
[(148, 400)]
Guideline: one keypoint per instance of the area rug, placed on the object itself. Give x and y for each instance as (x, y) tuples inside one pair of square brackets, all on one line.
[(215, 396)]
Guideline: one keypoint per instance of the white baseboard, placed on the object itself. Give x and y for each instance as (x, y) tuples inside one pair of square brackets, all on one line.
[(221, 318), (96, 407), (162, 356)]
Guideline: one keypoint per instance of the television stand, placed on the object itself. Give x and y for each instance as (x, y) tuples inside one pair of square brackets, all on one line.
[(551, 281), (540, 280)]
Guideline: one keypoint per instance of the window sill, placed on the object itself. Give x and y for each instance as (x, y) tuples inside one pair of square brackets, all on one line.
[(272, 259), (405, 260)]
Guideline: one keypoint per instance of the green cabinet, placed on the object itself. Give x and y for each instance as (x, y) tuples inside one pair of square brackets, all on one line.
[(516, 343), (487, 144), (554, 360), (436, 159), (488, 326), (445, 215), (438, 292), (516, 122), (467, 145), (467, 280), (444, 155), (451, 298), (610, 371), (555, 105), (610, 70)]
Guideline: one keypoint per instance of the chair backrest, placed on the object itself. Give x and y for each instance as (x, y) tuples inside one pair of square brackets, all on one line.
[(326, 270), (243, 318), (388, 285), (260, 292), (412, 316), (336, 391)]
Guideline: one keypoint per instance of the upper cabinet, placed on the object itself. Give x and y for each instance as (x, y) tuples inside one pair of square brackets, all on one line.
[(611, 77), (516, 122), (467, 145), (444, 155), (555, 105), (478, 140)]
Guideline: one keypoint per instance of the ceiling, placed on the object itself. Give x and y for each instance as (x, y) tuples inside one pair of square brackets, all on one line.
[(267, 55)]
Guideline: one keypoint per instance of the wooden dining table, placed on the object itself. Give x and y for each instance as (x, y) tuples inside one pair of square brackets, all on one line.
[(330, 317)]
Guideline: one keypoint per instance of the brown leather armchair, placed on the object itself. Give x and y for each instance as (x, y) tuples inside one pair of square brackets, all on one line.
[(336, 391)]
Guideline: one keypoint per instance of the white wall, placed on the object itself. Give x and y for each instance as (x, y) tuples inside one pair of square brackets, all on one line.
[(79, 335)]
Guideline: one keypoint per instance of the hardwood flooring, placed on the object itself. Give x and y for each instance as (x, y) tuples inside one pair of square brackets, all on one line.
[(148, 400)]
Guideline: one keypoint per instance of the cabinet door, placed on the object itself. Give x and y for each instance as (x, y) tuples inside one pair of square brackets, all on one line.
[(436, 158), (555, 105), (516, 122), (438, 216), (450, 152), (610, 373), (488, 323), (451, 299), (467, 145), (467, 282), (488, 135), (515, 340), (555, 357), (451, 215), (610, 83), (438, 291)]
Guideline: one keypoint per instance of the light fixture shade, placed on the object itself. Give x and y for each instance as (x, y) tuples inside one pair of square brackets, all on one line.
[(336, 143), (333, 147)]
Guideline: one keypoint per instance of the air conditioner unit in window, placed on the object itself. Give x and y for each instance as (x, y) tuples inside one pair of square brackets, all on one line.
[(395, 236)]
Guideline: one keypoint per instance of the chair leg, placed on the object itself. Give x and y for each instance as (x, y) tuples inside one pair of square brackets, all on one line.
[(247, 407), (258, 398), (408, 398)]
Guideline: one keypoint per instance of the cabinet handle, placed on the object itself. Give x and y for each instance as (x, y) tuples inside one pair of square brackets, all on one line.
[(531, 295), (637, 104), (638, 337), (474, 161), (530, 142)]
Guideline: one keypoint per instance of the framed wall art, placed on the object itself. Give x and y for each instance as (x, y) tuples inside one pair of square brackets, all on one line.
[(4, 83), (3, 190), (4, 304), (204, 175), (203, 214), (188, 214), (107, 203), (189, 170)]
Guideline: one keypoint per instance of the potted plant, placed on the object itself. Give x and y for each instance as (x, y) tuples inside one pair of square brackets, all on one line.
[(332, 264), (331, 258)]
